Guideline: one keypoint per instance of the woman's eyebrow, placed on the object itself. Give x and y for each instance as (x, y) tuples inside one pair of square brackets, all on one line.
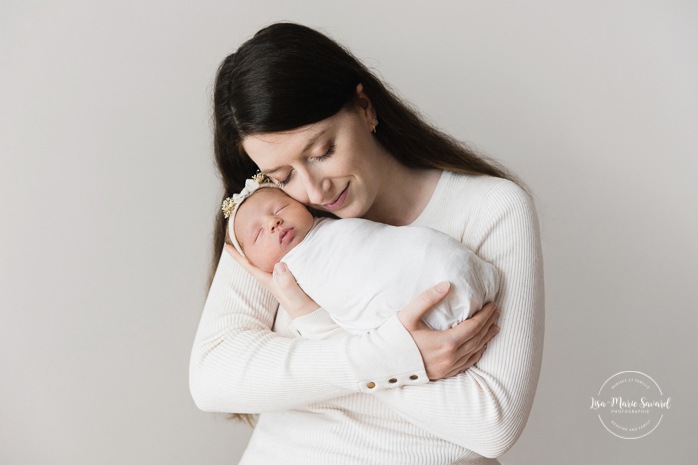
[(310, 143)]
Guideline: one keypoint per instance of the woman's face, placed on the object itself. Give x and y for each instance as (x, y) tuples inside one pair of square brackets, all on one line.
[(331, 165)]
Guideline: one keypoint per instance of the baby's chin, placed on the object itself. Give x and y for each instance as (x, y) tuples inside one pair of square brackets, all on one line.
[(267, 267)]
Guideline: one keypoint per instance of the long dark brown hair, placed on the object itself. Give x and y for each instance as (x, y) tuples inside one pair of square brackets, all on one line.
[(287, 76)]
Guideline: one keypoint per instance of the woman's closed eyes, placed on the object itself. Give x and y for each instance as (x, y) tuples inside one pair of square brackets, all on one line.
[(330, 151), (327, 154)]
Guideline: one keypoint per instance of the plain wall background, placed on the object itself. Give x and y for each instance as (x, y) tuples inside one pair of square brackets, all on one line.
[(108, 192)]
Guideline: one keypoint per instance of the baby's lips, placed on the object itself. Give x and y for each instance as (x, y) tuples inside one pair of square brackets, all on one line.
[(284, 233)]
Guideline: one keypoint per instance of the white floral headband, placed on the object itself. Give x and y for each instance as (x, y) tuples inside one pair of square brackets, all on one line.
[(231, 204)]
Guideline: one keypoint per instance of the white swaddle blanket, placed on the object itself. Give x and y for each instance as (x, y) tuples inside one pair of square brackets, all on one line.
[(362, 272)]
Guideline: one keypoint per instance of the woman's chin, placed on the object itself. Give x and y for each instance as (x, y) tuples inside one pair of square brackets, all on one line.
[(350, 211)]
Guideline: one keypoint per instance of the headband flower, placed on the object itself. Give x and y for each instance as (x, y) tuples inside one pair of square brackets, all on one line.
[(251, 185)]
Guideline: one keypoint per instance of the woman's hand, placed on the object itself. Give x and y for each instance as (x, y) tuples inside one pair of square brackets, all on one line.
[(451, 351), (280, 283)]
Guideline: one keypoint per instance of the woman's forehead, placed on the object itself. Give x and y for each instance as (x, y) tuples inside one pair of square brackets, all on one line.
[(275, 149), (265, 148)]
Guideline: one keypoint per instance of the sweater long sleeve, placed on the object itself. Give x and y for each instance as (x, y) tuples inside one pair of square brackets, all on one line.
[(486, 408), (238, 364)]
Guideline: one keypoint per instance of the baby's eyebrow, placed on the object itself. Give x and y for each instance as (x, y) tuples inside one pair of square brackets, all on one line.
[(307, 147)]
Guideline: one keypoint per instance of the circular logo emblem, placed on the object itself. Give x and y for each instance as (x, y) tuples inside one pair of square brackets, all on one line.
[(630, 405)]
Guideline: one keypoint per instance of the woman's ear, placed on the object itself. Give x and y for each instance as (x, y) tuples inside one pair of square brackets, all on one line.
[(364, 105)]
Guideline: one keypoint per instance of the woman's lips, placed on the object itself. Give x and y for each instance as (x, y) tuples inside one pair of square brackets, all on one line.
[(339, 201)]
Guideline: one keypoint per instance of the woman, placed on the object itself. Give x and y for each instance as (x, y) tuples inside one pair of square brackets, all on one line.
[(295, 105)]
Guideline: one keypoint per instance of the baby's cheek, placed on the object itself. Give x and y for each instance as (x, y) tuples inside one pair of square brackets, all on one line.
[(272, 256), (259, 257), (267, 262), (278, 257)]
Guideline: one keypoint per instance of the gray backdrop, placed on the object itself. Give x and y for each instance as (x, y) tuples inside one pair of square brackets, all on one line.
[(108, 192)]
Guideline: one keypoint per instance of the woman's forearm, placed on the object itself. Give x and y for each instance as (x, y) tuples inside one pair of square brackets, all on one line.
[(239, 365), (486, 408)]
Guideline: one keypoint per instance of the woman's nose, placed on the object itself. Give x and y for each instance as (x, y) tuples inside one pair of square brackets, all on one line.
[(317, 190), (312, 187)]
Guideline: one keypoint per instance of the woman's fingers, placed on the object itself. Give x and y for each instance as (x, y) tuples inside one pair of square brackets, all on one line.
[(474, 344), (468, 357), (280, 283), (232, 251), (471, 331), (469, 349), (466, 362), (446, 353), (410, 316), (261, 276)]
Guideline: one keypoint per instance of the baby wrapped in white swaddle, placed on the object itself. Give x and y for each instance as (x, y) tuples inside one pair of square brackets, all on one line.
[(361, 272)]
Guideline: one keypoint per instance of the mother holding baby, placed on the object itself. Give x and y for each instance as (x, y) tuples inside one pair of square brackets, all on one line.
[(298, 107)]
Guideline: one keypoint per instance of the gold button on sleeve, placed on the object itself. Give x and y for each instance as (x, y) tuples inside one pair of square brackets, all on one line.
[(371, 385), (392, 380), (413, 377)]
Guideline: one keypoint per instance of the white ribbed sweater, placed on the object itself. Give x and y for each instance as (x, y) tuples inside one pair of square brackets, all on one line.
[(312, 391)]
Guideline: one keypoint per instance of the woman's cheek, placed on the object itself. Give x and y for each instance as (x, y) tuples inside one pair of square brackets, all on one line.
[(298, 193)]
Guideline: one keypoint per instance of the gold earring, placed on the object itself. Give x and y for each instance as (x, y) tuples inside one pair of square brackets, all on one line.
[(375, 123)]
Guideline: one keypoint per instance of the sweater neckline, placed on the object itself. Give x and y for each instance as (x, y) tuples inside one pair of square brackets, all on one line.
[(433, 200)]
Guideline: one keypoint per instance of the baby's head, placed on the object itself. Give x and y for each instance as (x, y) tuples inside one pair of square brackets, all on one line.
[(265, 225)]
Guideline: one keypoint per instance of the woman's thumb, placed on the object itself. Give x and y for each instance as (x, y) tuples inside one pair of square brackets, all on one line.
[(411, 314), (282, 277), (292, 297)]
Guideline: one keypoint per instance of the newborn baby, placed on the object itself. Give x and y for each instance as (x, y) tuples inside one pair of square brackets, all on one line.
[(361, 272)]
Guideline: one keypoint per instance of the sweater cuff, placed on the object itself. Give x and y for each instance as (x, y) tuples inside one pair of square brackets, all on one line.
[(390, 350), (316, 325)]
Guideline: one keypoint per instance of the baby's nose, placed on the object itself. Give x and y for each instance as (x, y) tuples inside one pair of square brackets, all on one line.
[(274, 223)]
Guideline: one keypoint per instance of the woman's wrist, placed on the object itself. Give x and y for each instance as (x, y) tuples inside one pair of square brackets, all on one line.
[(317, 325), (390, 358), (303, 311)]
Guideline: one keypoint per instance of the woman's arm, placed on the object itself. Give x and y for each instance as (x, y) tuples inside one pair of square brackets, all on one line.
[(239, 365), (486, 408)]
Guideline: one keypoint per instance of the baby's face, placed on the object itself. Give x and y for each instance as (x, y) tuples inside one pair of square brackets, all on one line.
[(268, 225)]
